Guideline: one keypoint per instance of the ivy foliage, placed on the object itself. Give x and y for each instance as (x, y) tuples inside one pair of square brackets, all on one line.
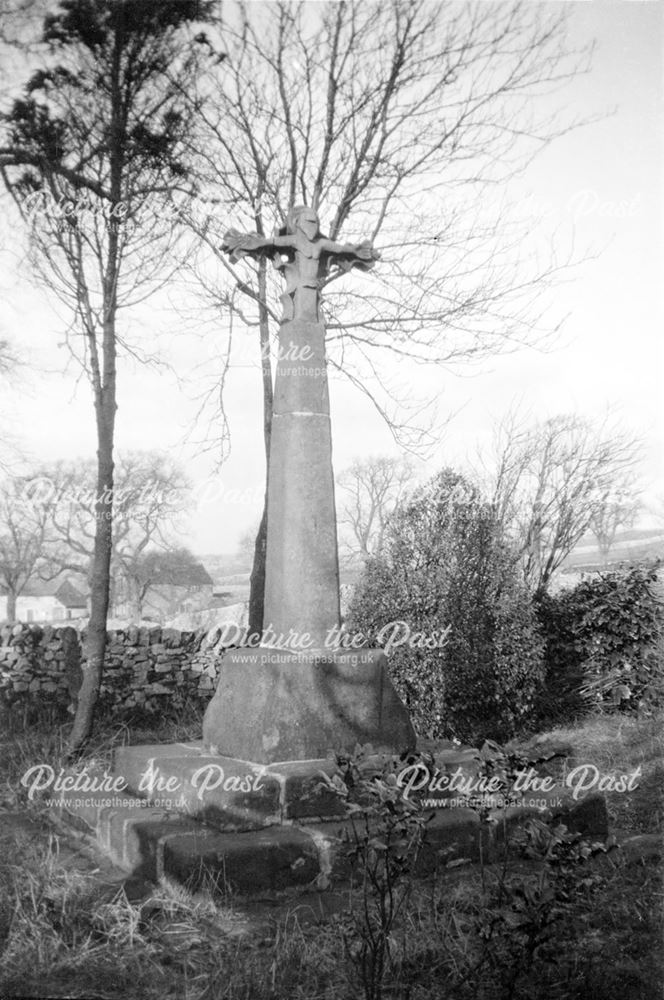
[(604, 643), (446, 571)]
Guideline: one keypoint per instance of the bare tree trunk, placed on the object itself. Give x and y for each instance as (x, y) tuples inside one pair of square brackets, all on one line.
[(257, 580), (72, 664), (257, 583), (95, 641), (137, 609), (11, 606)]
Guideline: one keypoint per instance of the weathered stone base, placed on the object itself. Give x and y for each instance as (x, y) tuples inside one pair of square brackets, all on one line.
[(281, 706), (149, 842), (285, 831)]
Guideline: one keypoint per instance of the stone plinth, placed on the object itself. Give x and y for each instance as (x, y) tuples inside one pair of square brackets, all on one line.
[(249, 845), (272, 705)]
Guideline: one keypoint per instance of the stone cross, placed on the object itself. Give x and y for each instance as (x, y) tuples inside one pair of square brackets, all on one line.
[(296, 697), (302, 571)]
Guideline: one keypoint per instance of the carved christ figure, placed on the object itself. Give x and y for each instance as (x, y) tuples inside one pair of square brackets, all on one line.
[(302, 254)]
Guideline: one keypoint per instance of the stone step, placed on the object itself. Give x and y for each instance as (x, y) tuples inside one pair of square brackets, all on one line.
[(232, 794), (225, 792), (150, 841)]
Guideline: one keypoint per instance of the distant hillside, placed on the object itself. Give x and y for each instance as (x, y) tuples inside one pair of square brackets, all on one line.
[(230, 571), (636, 545)]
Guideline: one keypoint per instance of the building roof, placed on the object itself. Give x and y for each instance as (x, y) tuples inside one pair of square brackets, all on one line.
[(70, 596), (63, 590)]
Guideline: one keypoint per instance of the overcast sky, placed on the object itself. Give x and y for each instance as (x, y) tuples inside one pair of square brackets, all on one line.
[(601, 185)]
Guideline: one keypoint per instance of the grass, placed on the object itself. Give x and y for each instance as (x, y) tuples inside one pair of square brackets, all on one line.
[(621, 743), (65, 938), (64, 933), (41, 738)]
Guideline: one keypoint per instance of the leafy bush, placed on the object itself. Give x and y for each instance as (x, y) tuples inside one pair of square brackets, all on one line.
[(604, 643), (474, 663), (560, 698)]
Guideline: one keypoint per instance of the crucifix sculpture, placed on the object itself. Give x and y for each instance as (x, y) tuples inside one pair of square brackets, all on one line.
[(298, 695), (303, 255)]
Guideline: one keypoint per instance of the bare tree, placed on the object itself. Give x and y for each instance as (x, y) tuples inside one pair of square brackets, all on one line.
[(6, 357), (397, 121), (6, 365), (23, 535), (551, 480), (371, 489), (150, 495), (245, 546), (149, 510), (93, 153), (655, 508), (619, 509), (163, 580), (12, 376)]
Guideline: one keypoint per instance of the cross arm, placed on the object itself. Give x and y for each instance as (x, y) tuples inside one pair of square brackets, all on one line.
[(252, 245), (347, 255)]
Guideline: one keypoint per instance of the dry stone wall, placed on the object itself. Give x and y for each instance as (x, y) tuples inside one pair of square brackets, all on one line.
[(149, 669)]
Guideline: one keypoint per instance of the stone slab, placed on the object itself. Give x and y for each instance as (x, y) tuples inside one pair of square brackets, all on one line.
[(224, 792), (147, 843), (589, 816), (234, 794), (273, 706), (213, 788), (274, 859), (452, 834), (304, 792), (128, 830)]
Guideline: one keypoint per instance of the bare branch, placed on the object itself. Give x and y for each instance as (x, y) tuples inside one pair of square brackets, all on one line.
[(552, 482)]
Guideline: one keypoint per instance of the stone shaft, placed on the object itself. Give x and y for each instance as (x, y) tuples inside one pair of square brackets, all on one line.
[(302, 567)]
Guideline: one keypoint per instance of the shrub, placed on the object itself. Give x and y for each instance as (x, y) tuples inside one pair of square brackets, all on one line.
[(475, 665), (385, 833), (560, 698), (603, 643)]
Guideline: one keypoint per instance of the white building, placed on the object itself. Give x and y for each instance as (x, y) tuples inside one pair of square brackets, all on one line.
[(57, 601)]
